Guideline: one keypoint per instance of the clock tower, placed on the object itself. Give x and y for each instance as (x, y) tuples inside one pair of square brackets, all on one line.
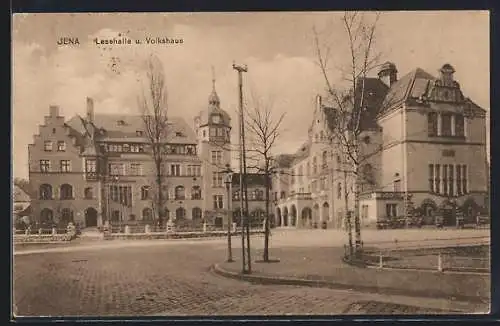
[(213, 131)]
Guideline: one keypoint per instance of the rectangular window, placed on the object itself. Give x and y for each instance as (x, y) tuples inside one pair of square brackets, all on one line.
[(451, 180), (275, 195), (391, 210), (464, 179), (45, 166), (47, 146), (65, 165), (216, 157), (339, 190), (189, 170), (431, 178), (432, 124), (459, 125), (217, 179), (61, 146), (135, 169), (220, 132), (446, 124), (91, 166), (459, 180), (116, 169), (445, 179), (364, 212), (218, 201), (175, 170), (397, 186), (212, 132), (438, 179)]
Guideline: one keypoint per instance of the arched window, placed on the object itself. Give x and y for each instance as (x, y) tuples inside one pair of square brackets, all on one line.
[(324, 159), (196, 192), (180, 193), (66, 191), (301, 173), (315, 165), (66, 215), (338, 159), (308, 169), (89, 193), (180, 213), (131, 217), (322, 135), (339, 190), (45, 192), (166, 213), (46, 215), (147, 214), (145, 193), (196, 213)]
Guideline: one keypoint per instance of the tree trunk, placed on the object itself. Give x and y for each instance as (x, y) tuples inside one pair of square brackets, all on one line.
[(348, 214), (357, 222), (266, 223)]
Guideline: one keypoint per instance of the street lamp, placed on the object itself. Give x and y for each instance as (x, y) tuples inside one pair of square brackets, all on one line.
[(228, 179)]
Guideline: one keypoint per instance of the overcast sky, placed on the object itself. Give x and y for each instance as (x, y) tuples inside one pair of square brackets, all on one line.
[(277, 47)]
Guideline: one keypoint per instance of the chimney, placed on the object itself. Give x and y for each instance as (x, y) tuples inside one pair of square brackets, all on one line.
[(388, 73), (54, 111), (90, 109)]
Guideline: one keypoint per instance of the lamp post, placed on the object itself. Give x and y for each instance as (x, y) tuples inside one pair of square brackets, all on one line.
[(228, 179)]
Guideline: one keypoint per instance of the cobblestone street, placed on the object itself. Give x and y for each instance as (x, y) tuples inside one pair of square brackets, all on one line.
[(168, 280)]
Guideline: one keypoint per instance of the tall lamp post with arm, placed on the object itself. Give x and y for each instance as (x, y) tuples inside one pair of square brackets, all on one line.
[(228, 179)]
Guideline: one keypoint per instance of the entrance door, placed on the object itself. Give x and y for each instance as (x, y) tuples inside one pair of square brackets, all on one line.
[(218, 221), (90, 217)]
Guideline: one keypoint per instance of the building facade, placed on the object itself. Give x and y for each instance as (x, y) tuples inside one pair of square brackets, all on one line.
[(423, 148), (98, 167)]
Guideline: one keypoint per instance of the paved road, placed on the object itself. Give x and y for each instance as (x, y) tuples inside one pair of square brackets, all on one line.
[(170, 280)]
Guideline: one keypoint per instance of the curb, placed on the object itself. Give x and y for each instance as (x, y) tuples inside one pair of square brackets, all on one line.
[(278, 280)]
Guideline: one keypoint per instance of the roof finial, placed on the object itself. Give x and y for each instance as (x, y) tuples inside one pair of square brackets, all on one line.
[(213, 78)]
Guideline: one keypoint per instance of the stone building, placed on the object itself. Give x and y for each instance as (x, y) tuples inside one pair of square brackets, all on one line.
[(98, 167), (423, 144), (256, 192)]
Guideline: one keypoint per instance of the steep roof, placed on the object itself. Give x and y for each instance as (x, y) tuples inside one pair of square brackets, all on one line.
[(412, 85), (20, 195), (120, 126), (284, 160)]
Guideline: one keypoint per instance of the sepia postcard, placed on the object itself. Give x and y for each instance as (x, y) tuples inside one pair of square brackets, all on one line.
[(251, 164)]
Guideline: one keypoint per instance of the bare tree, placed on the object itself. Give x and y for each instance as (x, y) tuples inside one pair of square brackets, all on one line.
[(349, 102), (153, 107), (264, 131)]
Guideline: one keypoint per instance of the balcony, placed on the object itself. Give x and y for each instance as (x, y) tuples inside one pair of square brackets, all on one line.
[(301, 196)]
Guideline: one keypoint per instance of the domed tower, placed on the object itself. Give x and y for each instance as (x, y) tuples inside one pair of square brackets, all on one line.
[(213, 130)]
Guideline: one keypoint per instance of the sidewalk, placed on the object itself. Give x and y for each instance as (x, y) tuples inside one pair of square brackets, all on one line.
[(323, 267)]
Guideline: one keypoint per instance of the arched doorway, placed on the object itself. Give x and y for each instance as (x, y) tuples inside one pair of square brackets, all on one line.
[(90, 217), (470, 209), (428, 210), (293, 215), (306, 216), (278, 216), (326, 212), (46, 216), (285, 216)]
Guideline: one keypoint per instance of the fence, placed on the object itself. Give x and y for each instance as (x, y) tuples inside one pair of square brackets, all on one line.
[(43, 235), (457, 258), (146, 229)]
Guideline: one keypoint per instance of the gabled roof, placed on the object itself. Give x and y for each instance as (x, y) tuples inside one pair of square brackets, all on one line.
[(412, 85), (20, 195), (120, 126)]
